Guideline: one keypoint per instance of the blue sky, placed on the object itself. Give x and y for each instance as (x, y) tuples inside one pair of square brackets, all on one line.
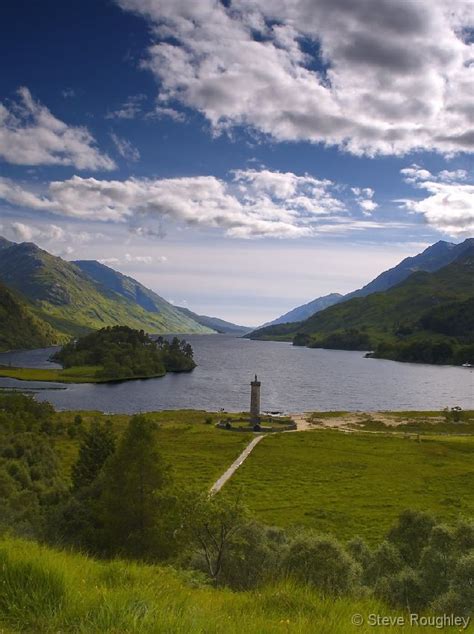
[(239, 157)]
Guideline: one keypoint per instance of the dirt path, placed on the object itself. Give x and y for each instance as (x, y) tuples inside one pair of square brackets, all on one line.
[(217, 486)]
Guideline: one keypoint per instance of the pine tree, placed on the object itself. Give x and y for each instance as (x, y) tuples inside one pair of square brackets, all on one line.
[(97, 445), (133, 507)]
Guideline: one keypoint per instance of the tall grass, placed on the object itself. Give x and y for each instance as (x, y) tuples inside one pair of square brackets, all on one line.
[(46, 591)]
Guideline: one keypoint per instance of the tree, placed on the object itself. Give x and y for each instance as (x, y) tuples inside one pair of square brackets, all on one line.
[(132, 505), (97, 445), (210, 524)]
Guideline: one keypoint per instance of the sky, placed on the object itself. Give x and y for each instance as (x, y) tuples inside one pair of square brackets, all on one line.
[(239, 157)]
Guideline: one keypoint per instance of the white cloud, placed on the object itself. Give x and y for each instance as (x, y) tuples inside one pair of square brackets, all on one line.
[(28, 233), (364, 198), (162, 112), (415, 173), (374, 76), (130, 109), (109, 261), (141, 259), (449, 205), (51, 235), (125, 148), (251, 203), (31, 135), (454, 175)]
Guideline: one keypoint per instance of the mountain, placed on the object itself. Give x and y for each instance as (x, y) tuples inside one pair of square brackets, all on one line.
[(219, 325), (405, 322), (20, 327), (431, 259), (4, 243), (72, 302), (300, 313), (150, 301)]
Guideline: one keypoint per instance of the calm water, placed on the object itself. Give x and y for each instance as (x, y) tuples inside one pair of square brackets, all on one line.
[(293, 379)]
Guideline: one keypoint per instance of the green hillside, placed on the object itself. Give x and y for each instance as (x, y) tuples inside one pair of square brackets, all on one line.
[(74, 303), (402, 323), (20, 327), (138, 294)]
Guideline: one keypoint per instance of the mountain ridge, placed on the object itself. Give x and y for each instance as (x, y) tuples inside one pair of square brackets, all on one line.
[(74, 303), (219, 325), (431, 259), (393, 320)]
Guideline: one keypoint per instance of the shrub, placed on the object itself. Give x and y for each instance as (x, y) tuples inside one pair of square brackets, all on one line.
[(405, 589), (322, 562), (253, 557), (411, 533)]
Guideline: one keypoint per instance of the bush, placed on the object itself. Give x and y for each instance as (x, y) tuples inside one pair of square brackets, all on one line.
[(253, 557), (402, 590), (322, 562), (411, 533), (385, 562)]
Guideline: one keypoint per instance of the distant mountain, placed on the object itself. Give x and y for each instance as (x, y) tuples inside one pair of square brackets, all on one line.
[(20, 328), (72, 302), (408, 322), (431, 259), (300, 313), (147, 299), (4, 243), (219, 325)]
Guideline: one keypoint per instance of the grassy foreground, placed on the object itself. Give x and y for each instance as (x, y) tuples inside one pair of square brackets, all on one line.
[(49, 591)]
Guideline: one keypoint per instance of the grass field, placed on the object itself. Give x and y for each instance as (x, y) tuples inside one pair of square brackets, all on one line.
[(49, 591), (197, 451), (356, 484), (78, 374)]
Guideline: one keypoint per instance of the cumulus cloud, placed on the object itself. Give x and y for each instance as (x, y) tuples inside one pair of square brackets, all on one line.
[(364, 198), (31, 135), (125, 148), (449, 205), (51, 236), (372, 77), (250, 203)]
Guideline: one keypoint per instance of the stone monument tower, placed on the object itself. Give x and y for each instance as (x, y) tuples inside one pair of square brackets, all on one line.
[(255, 401)]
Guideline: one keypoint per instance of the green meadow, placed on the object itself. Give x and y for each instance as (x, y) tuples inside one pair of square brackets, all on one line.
[(356, 483), (345, 484), (197, 452)]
